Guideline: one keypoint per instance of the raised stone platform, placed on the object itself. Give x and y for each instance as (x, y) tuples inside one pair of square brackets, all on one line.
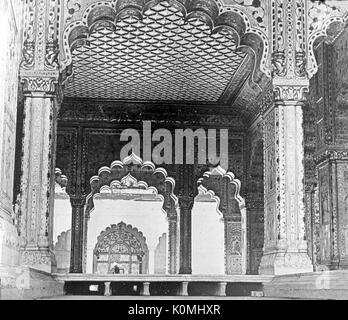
[(314, 285), (146, 285)]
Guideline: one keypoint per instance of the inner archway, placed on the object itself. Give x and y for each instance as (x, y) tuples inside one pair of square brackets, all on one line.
[(133, 203), (228, 225), (140, 195), (121, 249), (208, 241)]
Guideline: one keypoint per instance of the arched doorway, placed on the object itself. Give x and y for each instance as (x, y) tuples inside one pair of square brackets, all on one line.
[(227, 223), (117, 194), (123, 246)]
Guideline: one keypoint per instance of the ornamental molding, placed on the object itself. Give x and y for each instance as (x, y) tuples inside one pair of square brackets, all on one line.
[(145, 174), (331, 155), (35, 258), (39, 70), (290, 92), (40, 81)]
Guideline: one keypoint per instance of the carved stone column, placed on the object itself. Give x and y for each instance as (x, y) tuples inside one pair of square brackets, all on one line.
[(37, 182), (186, 205), (172, 232), (233, 246), (76, 260), (311, 208), (39, 75), (285, 247)]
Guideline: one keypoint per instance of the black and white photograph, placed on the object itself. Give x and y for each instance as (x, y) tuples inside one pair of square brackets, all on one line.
[(193, 151)]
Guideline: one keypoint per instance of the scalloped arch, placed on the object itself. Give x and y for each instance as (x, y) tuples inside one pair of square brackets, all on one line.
[(219, 171), (231, 19), (144, 172)]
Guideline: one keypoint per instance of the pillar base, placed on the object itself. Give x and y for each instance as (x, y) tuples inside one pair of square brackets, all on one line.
[(279, 263), (42, 260), (23, 283)]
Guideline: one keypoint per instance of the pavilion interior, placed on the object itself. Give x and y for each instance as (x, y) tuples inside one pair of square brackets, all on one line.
[(176, 74)]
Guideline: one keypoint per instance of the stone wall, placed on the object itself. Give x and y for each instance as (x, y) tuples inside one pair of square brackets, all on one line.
[(326, 129), (10, 39)]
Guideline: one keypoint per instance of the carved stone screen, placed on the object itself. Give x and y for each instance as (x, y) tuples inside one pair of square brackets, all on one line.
[(121, 246)]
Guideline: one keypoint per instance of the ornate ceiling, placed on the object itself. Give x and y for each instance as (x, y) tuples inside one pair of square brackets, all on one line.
[(162, 57)]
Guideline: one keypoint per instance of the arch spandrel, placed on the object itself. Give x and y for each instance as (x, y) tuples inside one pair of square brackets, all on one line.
[(144, 172)]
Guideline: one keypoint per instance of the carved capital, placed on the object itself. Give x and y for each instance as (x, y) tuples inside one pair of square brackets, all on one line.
[(45, 82), (77, 201), (186, 202), (39, 70), (290, 91)]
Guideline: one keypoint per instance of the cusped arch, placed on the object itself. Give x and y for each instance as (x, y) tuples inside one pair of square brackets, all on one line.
[(145, 173), (232, 19), (213, 182), (205, 186)]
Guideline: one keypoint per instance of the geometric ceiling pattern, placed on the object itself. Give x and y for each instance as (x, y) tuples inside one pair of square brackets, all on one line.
[(161, 58)]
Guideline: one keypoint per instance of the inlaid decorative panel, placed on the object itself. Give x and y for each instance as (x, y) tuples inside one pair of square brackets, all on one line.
[(161, 57)]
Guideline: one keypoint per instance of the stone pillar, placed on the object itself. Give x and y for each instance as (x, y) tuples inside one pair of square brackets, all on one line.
[(37, 182), (186, 205), (285, 247), (39, 74), (233, 246), (172, 243), (77, 226), (310, 219)]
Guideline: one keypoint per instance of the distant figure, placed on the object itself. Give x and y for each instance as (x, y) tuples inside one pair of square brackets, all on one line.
[(116, 269)]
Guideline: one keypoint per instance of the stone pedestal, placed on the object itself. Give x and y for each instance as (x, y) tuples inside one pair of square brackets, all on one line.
[(145, 289)]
